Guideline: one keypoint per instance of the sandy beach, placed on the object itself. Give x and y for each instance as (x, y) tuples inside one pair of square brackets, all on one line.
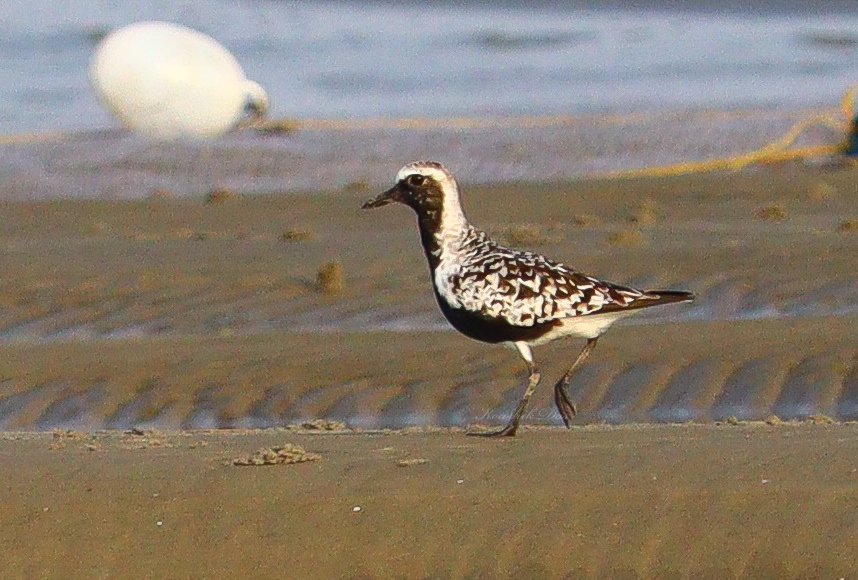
[(214, 364), (141, 324), (178, 313), (729, 501)]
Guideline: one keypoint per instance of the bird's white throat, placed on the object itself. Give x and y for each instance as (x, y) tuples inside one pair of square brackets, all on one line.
[(454, 227)]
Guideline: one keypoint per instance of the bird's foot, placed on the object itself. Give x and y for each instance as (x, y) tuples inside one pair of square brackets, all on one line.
[(508, 431), (564, 405)]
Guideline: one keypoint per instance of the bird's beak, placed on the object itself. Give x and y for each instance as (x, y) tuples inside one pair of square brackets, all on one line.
[(392, 194), (255, 110)]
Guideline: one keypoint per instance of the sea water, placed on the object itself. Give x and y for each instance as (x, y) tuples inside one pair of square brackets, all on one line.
[(364, 59)]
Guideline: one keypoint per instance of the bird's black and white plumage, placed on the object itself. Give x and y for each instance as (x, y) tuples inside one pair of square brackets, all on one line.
[(501, 295)]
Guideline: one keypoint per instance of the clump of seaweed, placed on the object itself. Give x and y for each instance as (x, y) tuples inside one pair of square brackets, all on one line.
[(822, 191), (330, 278), (323, 425), (289, 453), (645, 214), (296, 235), (278, 127), (524, 235), (411, 462), (819, 419), (847, 226), (626, 238), (583, 220), (219, 195), (771, 213)]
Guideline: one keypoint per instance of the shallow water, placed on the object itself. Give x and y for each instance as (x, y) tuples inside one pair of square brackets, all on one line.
[(365, 59), (112, 164)]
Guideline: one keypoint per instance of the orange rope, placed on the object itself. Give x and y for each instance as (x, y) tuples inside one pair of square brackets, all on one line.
[(773, 152)]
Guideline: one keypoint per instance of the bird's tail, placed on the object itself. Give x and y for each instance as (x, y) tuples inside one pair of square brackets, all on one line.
[(657, 297)]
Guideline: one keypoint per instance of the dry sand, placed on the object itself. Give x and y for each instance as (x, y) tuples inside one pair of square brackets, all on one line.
[(753, 501)]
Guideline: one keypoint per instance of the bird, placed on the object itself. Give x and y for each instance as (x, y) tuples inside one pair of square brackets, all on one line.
[(166, 82), (496, 294)]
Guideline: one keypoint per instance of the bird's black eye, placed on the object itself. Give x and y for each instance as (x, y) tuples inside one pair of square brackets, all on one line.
[(415, 180)]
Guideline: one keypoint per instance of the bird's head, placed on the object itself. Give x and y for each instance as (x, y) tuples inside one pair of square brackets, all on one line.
[(255, 103), (425, 186)]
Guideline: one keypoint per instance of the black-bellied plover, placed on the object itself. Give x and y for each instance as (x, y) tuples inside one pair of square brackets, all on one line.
[(500, 295)]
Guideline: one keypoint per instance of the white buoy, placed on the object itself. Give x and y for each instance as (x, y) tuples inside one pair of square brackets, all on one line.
[(167, 81)]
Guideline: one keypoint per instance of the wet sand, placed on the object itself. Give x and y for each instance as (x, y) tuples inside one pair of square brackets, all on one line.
[(186, 314), (174, 313), (636, 501)]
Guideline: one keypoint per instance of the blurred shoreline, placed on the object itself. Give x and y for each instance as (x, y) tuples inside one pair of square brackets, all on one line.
[(364, 154)]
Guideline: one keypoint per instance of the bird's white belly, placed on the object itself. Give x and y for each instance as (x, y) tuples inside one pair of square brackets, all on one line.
[(589, 326)]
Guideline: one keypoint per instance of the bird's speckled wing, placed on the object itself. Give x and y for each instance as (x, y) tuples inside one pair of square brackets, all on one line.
[(526, 289)]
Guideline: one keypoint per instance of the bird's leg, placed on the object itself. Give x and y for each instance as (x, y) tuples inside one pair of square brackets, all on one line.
[(532, 380), (561, 397)]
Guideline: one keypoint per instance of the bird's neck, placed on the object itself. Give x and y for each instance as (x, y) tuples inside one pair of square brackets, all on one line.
[(442, 231)]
